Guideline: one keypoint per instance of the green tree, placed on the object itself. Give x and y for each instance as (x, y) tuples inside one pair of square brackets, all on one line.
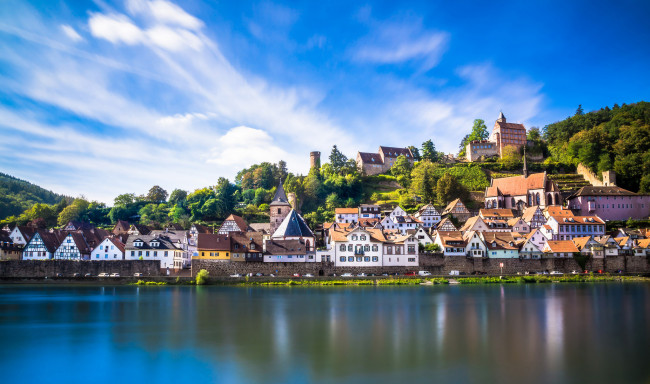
[(282, 170), (401, 169), (156, 195), (224, 192), (178, 197), (69, 213), (605, 163), (337, 160), (448, 189), (462, 147), (124, 199), (415, 152), (423, 179), (511, 159), (332, 201), (580, 111), (429, 151), (479, 131)]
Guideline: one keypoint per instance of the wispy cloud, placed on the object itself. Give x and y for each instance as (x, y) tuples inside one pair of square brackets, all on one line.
[(394, 42), (71, 33)]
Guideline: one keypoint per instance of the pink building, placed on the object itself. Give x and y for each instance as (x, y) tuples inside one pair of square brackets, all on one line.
[(610, 203)]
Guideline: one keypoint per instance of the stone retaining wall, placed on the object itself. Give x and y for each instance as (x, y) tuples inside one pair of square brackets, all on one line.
[(437, 264), (49, 268)]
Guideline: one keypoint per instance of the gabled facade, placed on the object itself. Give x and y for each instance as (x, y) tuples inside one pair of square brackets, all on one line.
[(610, 245), (519, 192), (445, 225), (279, 208), (537, 237), (457, 209), (451, 243), (359, 247), (421, 235), (475, 244), (20, 235), (534, 216), (288, 251), (73, 247), (530, 250), (111, 249), (8, 250), (247, 247), (41, 246), (233, 223), (382, 161), (500, 245), (589, 247), (517, 224), (642, 247), (401, 251), (428, 215), (139, 230), (475, 223)]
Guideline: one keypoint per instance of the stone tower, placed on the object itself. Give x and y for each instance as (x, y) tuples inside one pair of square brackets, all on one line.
[(280, 208), (314, 160), (502, 118), (609, 178)]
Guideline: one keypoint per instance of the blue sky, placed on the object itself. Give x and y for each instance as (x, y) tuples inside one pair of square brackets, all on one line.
[(101, 98)]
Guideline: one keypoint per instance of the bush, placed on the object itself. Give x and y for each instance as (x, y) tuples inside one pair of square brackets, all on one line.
[(201, 277)]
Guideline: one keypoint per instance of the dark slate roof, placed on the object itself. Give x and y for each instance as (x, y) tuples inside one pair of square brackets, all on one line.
[(164, 241), (395, 152), (280, 197), (50, 240), (261, 227), (76, 225), (370, 158), (293, 226), (244, 241), (286, 247), (602, 191)]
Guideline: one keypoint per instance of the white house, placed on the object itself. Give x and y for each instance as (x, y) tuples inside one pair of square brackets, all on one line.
[(401, 251), (401, 223), (537, 238), (288, 251), (20, 235), (476, 246), (346, 215), (451, 243), (517, 224), (397, 211), (475, 223), (360, 247), (422, 236), (109, 249), (530, 250), (146, 247), (428, 215), (500, 245), (41, 246)]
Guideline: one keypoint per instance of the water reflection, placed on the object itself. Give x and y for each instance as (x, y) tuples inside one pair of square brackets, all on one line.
[(509, 333)]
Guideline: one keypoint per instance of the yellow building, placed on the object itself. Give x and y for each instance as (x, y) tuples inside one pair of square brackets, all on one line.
[(213, 247)]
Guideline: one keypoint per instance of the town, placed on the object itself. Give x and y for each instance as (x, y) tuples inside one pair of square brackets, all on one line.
[(527, 223)]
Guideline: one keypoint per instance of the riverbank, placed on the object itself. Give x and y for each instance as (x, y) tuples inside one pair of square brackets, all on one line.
[(332, 281)]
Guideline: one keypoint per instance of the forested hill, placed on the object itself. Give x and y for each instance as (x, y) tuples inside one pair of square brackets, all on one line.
[(616, 138), (18, 195)]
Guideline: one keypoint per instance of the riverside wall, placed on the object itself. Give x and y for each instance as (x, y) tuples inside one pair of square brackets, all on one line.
[(67, 268), (437, 264)]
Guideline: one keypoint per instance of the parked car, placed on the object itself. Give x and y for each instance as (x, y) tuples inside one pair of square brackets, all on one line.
[(103, 274), (296, 275), (258, 274), (556, 273), (272, 275), (346, 275), (308, 275), (88, 275), (455, 273), (424, 273), (115, 275), (76, 274), (362, 274), (59, 275), (574, 272), (235, 275), (137, 274), (411, 273)]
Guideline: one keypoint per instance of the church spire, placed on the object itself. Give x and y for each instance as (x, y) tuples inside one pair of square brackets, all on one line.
[(502, 118), (525, 168), (280, 197)]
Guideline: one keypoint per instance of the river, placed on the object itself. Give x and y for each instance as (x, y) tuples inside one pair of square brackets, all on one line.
[(533, 333)]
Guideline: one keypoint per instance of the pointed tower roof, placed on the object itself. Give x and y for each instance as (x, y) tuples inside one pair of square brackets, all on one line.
[(280, 197), (502, 117), (293, 226)]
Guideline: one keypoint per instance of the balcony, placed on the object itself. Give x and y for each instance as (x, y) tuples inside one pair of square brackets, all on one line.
[(359, 252)]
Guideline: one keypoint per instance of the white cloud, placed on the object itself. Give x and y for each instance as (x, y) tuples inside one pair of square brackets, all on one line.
[(169, 13), (173, 39), (398, 42), (241, 146), (115, 28), (71, 33)]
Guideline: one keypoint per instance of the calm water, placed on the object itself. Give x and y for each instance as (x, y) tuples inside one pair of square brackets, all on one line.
[(553, 333)]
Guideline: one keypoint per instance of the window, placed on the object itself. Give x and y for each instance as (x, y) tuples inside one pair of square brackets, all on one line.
[(350, 248), (362, 237), (132, 253), (147, 253), (342, 247), (350, 258), (155, 253), (375, 248), (366, 259), (375, 258), (342, 259), (366, 248), (354, 237), (412, 259)]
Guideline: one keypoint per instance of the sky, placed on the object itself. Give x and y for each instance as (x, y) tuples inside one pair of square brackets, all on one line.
[(100, 98)]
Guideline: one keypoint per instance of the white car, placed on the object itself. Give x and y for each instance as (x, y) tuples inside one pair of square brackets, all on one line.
[(556, 273), (103, 274), (362, 274), (454, 273), (137, 274), (574, 272), (424, 273), (235, 275), (346, 275), (115, 275), (308, 275)]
